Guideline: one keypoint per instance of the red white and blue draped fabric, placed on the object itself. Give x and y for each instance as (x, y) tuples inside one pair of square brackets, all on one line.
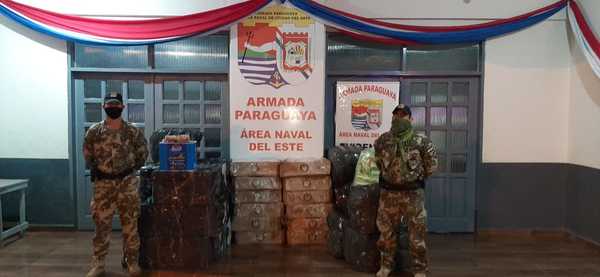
[(127, 32), (137, 32), (133, 32), (371, 29), (587, 40)]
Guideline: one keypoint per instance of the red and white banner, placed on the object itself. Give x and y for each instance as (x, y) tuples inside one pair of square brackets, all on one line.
[(127, 32), (277, 78), (364, 111), (585, 37)]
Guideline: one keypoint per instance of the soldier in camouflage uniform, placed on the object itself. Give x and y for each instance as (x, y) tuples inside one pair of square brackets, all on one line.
[(405, 160), (114, 150)]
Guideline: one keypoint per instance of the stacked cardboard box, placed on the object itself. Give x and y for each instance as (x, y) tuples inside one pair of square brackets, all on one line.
[(258, 200), (307, 198)]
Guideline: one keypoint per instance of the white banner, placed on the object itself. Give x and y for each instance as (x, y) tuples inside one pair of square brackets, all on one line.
[(277, 85), (364, 111)]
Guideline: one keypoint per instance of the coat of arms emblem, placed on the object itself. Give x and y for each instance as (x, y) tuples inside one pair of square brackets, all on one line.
[(275, 53), (295, 56), (366, 114)]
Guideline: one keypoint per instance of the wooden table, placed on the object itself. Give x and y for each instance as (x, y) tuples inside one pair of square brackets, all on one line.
[(7, 186)]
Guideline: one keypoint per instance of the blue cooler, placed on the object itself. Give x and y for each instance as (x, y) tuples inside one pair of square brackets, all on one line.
[(177, 156)]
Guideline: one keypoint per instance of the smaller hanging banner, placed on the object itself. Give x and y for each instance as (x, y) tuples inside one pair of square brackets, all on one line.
[(364, 111)]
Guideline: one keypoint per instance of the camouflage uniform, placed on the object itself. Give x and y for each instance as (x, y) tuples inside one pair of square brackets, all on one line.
[(113, 151), (404, 167)]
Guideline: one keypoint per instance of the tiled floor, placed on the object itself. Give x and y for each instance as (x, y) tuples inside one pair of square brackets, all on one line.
[(66, 254)]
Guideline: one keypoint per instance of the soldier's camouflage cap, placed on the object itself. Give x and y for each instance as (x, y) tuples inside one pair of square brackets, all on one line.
[(404, 109), (113, 98)]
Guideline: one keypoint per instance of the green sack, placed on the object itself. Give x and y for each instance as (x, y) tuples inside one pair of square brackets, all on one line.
[(367, 172)]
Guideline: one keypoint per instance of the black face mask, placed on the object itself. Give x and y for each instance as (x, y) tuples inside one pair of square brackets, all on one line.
[(113, 112)]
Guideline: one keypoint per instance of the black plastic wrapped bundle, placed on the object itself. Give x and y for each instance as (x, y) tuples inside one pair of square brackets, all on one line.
[(188, 223), (360, 250), (351, 154), (341, 198), (335, 237), (179, 253), (363, 202), (146, 184), (354, 152), (343, 164), (337, 157)]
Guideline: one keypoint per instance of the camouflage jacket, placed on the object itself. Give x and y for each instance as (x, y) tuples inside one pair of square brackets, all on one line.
[(115, 151), (401, 168)]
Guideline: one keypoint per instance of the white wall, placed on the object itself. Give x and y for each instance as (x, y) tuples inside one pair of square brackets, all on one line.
[(33, 94), (584, 102), (522, 68), (526, 89)]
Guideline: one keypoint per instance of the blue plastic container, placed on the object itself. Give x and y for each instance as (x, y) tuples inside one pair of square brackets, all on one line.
[(177, 156)]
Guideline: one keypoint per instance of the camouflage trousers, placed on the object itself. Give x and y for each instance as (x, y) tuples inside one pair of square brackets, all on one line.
[(407, 207), (120, 196)]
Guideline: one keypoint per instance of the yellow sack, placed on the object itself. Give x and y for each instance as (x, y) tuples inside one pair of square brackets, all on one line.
[(366, 173)]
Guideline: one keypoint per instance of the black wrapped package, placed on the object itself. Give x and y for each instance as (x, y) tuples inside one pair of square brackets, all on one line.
[(340, 197), (146, 184), (170, 221), (335, 237), (343, 163), (351, 154), (360, 250), (189, 188), (337, 158), (187, 226), (352, 151), (363, 202), (180, 253)]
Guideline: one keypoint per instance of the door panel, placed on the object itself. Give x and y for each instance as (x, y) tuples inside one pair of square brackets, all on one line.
[(197, 103), (446, 110), (89, 94)]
